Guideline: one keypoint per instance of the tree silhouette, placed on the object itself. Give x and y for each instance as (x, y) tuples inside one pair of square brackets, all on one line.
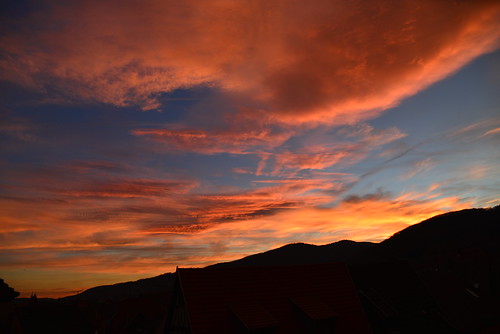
[(7, 294)]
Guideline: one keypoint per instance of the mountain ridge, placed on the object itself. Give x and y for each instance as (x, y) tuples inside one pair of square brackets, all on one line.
[(347, 250), (301, 253)]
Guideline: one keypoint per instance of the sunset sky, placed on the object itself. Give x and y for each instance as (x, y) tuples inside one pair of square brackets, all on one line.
[(137, 136)]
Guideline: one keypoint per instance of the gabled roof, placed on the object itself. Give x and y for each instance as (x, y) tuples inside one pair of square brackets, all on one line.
[(287, 299)]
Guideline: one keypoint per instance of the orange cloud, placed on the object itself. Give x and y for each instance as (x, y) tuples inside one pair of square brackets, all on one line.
[(371, 218), (122, 236), (478, 129), (418, 167), (492, 131), (126, 188), (313, 148), (305, 61), (322, 148), (89, 179), (236, 140), (225, 219)]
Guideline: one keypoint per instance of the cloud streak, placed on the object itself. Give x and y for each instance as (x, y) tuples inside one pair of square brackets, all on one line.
[(235, 140)]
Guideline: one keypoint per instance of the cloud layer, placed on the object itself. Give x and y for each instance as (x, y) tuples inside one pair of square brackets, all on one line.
[(298, 60)]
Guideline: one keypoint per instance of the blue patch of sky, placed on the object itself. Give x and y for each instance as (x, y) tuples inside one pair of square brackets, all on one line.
[(468, 96), (465, 97)]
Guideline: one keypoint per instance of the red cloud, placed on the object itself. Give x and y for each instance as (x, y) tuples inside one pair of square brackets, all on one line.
[(92, 179), (318, 149), (125, 188), (321, 148), (321, 60)]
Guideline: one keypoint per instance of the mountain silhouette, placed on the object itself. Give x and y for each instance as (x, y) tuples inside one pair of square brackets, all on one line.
[(447, 233), (442, 273), (456, 256), (450, 232), (121, 291), (302, 253)]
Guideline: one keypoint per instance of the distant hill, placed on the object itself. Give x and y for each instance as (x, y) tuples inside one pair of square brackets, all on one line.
[(127, 290), (450, 232), (302, 253), (130, 307), (459, 229), (456, 256), (296, 253)]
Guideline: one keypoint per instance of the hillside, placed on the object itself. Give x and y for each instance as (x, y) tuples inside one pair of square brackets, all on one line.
[(302, 253), (449, 232), (126, 290)]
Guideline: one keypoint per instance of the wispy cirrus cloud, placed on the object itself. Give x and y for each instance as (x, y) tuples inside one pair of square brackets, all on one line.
[(321, 148), (283, 151), (418, 167), (68, 184), (125, 188), (235, 140), (478, 129), (17, 127), (491, 132)]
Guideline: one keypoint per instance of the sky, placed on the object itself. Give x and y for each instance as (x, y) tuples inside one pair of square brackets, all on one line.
[(137, 136)]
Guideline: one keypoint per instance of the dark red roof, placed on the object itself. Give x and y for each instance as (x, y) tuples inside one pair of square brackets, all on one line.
[(218, 299)]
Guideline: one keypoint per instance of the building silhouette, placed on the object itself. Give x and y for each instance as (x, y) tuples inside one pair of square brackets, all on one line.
[(319, 298)]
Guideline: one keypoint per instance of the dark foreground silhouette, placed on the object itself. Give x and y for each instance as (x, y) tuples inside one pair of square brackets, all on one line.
[(439, 276)]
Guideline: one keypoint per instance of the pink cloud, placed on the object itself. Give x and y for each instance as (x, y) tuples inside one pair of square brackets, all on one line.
[(305, 61), (236, 140), (418, 167), (318, 147), (125, 188), (321, 148), (90, 179), (485, 127), (491, 132), (320, 160)]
